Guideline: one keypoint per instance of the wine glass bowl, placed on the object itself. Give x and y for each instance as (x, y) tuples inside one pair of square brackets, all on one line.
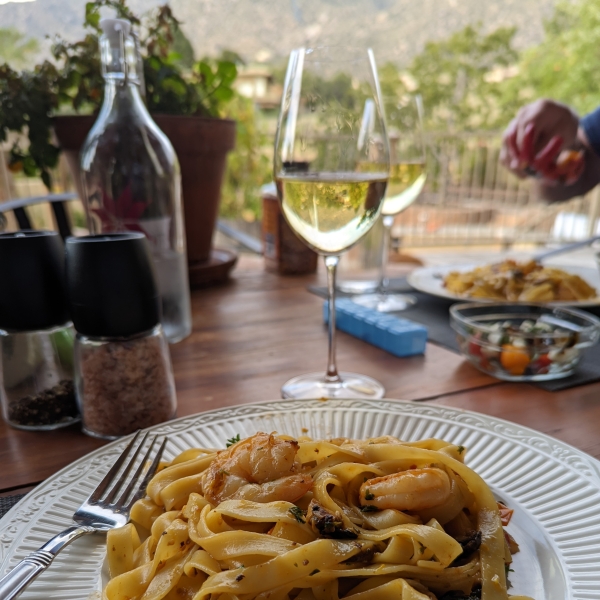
[(408, 175), (331, 169)]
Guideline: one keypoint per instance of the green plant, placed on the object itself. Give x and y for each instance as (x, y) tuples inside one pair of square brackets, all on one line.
[(16, 48), (72, 81), (249, 166)]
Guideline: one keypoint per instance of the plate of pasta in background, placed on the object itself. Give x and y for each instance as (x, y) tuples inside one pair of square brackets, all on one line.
[(511, 281), (334, 499)]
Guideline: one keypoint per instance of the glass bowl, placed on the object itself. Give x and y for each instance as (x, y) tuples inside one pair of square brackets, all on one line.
[(523, 342)]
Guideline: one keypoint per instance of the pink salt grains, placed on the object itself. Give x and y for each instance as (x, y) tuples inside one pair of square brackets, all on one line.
[(126, 385)]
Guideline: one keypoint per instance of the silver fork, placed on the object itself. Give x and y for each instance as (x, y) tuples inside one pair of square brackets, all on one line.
[(100, 512)]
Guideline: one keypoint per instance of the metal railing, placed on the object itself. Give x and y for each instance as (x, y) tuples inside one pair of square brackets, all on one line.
[(469, 199)]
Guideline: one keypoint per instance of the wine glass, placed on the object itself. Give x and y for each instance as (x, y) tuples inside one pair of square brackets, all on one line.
[(404, 119), (331, 168)]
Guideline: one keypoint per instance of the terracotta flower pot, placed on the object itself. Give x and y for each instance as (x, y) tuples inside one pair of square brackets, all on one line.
[(201, 145)]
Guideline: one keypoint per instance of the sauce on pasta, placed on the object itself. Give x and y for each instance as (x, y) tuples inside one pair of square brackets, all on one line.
[(275, 518), (523, 282)]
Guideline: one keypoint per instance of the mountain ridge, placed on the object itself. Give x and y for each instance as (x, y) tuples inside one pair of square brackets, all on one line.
[(263, 30)]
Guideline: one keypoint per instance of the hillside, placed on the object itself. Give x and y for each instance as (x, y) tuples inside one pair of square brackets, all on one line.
[(267, 30)]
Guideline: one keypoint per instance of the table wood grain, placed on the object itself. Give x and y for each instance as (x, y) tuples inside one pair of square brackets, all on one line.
[(572, 416), (253, 333)]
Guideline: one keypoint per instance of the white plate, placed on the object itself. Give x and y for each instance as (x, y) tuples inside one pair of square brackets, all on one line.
[(431, 281), (554, 488)]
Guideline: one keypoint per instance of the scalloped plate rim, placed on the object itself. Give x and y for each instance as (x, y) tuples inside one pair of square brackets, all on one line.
[(559, 451)]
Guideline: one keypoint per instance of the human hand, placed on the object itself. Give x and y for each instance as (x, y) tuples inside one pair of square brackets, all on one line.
[(536, 143)]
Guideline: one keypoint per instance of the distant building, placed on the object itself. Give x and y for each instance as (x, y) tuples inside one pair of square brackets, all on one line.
[(257, 83)]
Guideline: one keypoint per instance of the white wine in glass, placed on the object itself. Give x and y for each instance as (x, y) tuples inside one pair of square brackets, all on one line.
[(332, 211), (331, 170), (406, 183), (407, 178)]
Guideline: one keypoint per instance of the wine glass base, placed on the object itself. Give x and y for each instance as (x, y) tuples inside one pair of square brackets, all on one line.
[(314, 385), (357, 286), (386, 302)]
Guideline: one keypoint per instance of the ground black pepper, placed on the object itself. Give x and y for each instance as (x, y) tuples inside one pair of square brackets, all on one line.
[(50, 406)]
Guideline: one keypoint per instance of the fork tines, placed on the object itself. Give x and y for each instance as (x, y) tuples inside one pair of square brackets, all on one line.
[(129, 489)]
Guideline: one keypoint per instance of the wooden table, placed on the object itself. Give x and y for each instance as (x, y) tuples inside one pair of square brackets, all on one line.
[(253, 333)]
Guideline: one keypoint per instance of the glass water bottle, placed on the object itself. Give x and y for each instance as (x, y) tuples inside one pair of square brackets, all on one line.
[(131, 176)]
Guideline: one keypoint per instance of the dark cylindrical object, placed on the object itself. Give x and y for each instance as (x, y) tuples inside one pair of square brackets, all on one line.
[(112, 290), (32, 294), (36, 336), (123, 376)]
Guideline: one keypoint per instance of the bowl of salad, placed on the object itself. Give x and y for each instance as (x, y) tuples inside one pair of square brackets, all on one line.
[(523, 342)]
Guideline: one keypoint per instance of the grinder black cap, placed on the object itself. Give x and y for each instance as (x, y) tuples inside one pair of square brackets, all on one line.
[(32, 285), (111, 286)]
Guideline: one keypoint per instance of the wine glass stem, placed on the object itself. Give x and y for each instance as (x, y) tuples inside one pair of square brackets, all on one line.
[(331, 263), (384, 282)]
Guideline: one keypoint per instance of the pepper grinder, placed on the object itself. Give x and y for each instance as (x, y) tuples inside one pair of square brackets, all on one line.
[(36, 335), (123, 376)]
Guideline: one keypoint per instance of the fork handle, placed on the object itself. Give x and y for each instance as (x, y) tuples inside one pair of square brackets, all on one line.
[(14, 582)]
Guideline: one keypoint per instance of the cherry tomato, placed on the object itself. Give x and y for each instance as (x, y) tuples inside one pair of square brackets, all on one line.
[(514, 359), (474, 347), (540, 365)]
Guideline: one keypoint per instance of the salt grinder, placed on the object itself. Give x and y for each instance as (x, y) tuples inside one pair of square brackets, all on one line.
[(123, 376), (36, 335)]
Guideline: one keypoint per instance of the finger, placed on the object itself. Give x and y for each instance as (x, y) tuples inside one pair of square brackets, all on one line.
[(527, 155), (548, 155)]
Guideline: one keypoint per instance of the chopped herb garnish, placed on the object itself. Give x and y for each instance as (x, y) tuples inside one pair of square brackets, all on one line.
[(314, 572), (369, 495), (422, 548), (240, 577), (461, 449), (508, 570), (298, 514), (368, 508), (234, 440)]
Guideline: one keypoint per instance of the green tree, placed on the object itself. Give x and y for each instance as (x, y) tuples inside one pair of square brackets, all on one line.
[(250, 164), (16, 49), (566, 65), (456, 77), (232, 56)]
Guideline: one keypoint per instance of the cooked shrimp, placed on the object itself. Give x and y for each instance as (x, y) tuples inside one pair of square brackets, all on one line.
[(414, 489), (262, 468)]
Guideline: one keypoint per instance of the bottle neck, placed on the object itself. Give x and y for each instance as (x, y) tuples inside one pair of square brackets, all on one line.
[(123, 93), (119, 57), (120, 66)]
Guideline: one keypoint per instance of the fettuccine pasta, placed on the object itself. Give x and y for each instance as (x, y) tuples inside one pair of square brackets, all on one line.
[(519, 282), (274, 518)]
